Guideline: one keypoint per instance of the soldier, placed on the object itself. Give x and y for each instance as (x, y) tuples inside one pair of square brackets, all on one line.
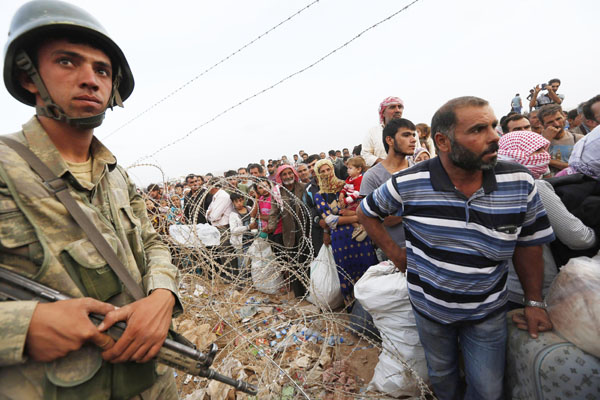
[(59, 59)]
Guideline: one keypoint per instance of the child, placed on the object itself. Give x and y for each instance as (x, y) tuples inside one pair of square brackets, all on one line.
[(421, 154), (351, 191), (239, 221)]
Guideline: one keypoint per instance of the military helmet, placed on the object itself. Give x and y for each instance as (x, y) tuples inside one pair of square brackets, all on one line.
[(40, 19)]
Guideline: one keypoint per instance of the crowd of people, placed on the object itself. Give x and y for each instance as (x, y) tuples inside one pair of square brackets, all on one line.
[(437, 219), (479, 215)]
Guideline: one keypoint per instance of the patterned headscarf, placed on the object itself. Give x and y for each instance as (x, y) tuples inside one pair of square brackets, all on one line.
[(388, 101), (519, 146), (328, 183), (585, 157), (420, 150), (280, 169)]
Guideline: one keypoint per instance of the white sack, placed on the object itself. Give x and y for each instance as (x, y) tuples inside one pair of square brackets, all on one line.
[(574, 303), (195, 235), (266, 276), (325, 290), (382, 291)]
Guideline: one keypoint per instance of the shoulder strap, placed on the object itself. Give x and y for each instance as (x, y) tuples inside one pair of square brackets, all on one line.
[(58, 187)]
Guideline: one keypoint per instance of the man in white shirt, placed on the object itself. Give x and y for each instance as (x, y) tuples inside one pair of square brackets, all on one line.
[(220, 207), (372, 145)]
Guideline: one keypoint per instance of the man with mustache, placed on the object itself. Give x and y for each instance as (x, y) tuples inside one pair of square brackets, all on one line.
[(295, 219), (465, 215), (372, 149)]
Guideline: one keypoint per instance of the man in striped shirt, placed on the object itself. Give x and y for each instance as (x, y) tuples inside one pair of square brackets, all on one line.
[(465, 215)]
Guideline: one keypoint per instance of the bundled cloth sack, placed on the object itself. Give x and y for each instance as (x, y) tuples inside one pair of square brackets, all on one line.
[(325, 290), (266, 277), (383, 292), (574, 303), (195, 235)]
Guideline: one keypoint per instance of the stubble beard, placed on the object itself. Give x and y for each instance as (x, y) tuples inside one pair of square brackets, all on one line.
[(469, 161)]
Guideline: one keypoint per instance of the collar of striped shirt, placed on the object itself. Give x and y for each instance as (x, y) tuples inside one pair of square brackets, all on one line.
[(441, 181)]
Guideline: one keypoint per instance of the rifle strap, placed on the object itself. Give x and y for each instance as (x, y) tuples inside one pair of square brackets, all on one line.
[(59, 188)]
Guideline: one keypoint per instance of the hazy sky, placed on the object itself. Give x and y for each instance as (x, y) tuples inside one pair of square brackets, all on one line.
[(434, 51)]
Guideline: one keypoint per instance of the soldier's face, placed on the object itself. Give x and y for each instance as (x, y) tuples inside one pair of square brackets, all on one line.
[(78, 77)]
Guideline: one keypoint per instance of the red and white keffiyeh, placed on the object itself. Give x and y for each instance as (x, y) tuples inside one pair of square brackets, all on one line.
[(388, 101), (519, 146)]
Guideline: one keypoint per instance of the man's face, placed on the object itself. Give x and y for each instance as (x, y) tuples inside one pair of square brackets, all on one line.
[(242, 171), (304, 156), (393, 111), (303, 173), (521, 124), (311, 167), (287, 177), (193, 184), (475, 143), (404, 142), (179, 190), (338, 153), (271, 169), (556, 120), (295, 157), (254, 172), (346, 153), (77, 76), (262, 162), (554, 86), (322, 155), (596, 110), (155, 194), (536, 125)]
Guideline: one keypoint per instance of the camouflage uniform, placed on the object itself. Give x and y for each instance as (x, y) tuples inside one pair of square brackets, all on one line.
[(40, 240)]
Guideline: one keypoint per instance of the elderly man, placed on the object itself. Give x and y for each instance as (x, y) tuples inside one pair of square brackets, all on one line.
[(372, 146), (303, 173), (294, 220), (458, 246), (60, 60)]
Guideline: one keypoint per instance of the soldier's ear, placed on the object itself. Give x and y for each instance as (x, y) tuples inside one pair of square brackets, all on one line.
[(26, 82)]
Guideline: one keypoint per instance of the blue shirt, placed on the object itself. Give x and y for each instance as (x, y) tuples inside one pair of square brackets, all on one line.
[(457, 248)]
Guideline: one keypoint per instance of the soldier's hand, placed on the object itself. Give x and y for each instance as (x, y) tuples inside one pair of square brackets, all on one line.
[(148, 322), (64, 326)]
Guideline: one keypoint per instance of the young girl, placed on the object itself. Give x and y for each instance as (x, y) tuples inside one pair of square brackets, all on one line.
[(351, 191)]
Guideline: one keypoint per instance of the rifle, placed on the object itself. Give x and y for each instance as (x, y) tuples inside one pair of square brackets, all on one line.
[(178, 352)]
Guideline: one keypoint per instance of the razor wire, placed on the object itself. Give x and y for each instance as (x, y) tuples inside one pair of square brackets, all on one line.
[(207, 70), (263, 338), (274, 85)]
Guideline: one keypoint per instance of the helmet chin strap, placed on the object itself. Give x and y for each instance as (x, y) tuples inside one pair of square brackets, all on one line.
[(52, 110)]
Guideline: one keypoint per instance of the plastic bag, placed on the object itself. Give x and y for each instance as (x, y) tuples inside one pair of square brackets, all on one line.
[(266, 277), (325, 290), (574, 303), (195, 235), (383, 292)]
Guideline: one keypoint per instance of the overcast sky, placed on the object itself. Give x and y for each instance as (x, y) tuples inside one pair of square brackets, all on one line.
[(428, 54)]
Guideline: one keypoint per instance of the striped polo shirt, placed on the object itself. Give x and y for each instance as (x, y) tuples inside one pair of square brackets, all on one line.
[(457, 248)]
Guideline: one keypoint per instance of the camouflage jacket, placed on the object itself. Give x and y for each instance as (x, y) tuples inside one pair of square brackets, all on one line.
[(40, 240)]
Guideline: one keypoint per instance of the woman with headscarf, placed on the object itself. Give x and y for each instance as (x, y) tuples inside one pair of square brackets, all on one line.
[(531, 150), (353, 258)]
